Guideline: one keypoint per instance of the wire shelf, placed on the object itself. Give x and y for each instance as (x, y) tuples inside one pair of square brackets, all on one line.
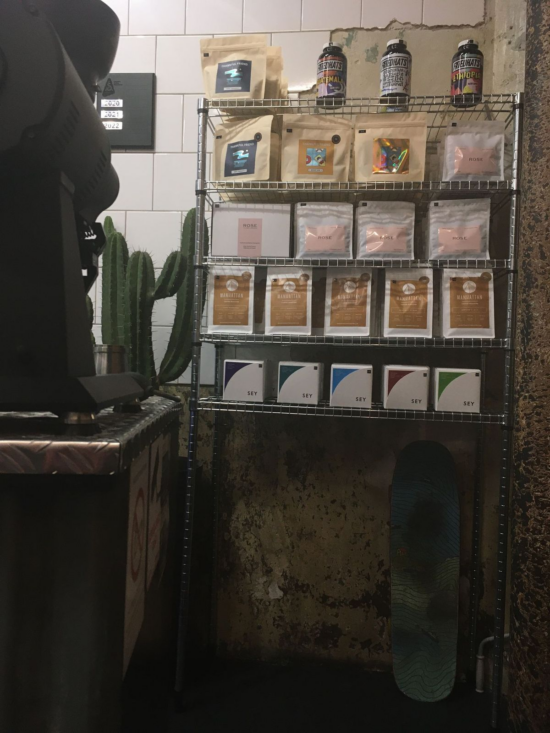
[(438, 109), (317, 262), (377, 341), (352, 191), (325, 410)]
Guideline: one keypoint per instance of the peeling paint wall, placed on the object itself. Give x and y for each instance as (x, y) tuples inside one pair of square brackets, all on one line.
[(304, 503)]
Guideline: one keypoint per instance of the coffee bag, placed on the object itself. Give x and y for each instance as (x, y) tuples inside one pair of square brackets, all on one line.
[(348, 301), (390, 147), (385, 230), (231, 300), (474, 151), (288, 300), (468, 304), (315, 148), (323, 230), (274, 72), (408, 303), (234, 67), (459, 229), (246, 149)]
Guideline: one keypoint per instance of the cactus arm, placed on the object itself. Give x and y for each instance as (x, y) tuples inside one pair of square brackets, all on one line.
[(172, 276), (140, 285), (108, 227), (115, 261), (178, 353)]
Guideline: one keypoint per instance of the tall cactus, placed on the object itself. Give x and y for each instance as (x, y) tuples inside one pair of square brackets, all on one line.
[(178, 353), (132, 292), (115, 262)]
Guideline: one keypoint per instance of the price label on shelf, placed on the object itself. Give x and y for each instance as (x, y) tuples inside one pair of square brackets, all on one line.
[(112, 103), (111, 114), (112, 125)]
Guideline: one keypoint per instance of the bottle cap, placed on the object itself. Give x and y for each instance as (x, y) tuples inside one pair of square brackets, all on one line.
[(464, 43), (396, 40), (332, 43)]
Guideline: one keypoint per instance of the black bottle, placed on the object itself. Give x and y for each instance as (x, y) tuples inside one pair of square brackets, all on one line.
[(396, 73), (332, 75), (467, 75)]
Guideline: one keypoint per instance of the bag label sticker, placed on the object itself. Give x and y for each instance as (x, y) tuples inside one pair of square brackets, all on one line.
[(231, 299), (233, 76), (476, 161), (240, 158), (387, 239), (289, 301), (409, 304), (250, 238), (470, 302), (325, 239), (391, 155), (349, 299), (316, 158), (459, 239)]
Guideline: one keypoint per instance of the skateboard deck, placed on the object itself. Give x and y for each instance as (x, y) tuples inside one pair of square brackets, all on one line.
[(425, 546)]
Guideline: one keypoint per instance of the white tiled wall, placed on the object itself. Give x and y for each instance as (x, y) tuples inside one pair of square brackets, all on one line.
[(162, 36)]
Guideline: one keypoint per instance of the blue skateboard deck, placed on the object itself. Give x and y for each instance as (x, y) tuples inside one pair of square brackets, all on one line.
[(425, 547)]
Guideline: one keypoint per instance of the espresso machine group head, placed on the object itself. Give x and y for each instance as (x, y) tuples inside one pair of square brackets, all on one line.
[(56, 178)]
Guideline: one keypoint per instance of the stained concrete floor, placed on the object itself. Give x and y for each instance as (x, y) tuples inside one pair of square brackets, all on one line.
[(261, 698)]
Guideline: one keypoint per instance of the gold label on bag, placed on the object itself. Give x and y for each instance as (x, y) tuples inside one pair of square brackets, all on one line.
[(348, 305), (409, 304), (391, 155), (470, 302), (231, 299), (289, 301), (315, 157)]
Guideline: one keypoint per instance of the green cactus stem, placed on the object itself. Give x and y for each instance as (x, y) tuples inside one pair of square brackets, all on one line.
[(172, 276), (179, 351), (90, 311), (108, 228), (115, 262), (140, 288)]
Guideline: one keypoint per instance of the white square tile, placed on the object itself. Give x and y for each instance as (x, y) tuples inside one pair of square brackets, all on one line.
[(135, 55), (175, 176), (191, 125), (449, 12), (164, 310), (208, 367), (265, 15), (169, 123), (179, 65), (300, 52), (378, 15), (135, 171), (214, 16), (121, 9), (320, 15), (155, 232), (118, 217), (157, 17)]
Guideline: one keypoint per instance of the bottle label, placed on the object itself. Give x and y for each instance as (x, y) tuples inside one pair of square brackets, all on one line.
[(331, 77), (467, 75), (395, 74)]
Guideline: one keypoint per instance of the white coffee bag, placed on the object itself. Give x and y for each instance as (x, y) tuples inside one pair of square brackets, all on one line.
[(348, 301), (231, 300), (323, 230), (408, 303), (459, 229), (474, 151), (468, 304), (288, 300), (385, 230)]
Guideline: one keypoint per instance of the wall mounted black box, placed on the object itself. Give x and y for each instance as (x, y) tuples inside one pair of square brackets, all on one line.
[(126, 105)]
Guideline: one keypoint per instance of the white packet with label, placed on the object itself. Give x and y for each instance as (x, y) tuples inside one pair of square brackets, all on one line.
[(231, 300), (348, 301), (474, 151), (288, 300), (468, 304), (408, 303), (384, 230), (324, 231), (459, 229)]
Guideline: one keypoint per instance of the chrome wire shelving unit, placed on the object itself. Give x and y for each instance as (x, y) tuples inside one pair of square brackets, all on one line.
[(503, 195)]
